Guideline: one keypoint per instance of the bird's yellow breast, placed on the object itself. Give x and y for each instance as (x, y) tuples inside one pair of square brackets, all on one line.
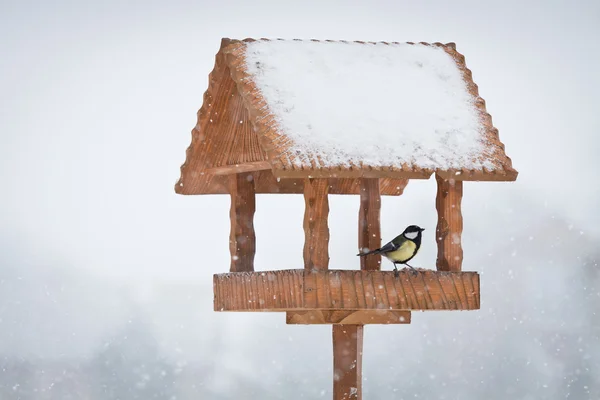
[(406, 251)]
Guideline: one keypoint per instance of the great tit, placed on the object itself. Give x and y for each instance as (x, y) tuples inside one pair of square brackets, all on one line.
[(402, 248)]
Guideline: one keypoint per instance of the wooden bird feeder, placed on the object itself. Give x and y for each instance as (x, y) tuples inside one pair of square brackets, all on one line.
[(248, 140)]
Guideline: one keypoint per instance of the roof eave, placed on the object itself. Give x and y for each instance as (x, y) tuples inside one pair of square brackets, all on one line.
[(351, 173), (505, 175), (459, 175)]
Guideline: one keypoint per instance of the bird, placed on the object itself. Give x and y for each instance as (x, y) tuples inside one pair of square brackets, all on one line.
[(402, 248)]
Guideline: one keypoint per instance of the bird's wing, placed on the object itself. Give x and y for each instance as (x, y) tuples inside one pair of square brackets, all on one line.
[(391, 246)]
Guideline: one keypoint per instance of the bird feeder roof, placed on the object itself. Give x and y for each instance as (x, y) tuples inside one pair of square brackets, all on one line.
[(291, 109)]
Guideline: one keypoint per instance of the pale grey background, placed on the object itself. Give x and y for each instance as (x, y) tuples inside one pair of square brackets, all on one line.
[(106, 274)]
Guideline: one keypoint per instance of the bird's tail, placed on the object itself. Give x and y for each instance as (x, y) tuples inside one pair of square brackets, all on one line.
[(376, 251)]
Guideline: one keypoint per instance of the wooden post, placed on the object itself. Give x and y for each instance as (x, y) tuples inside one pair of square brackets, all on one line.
[(242, 239), (369, 231), (316, 230), (348, 339), (347, 362), (450, 224)]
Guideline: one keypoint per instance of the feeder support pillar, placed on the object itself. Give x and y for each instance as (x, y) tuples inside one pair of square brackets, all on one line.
[(369, 230), (316, 230), (450, 224), (242, 239)]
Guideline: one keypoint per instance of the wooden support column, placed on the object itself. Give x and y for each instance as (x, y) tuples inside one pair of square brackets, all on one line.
[(242, 240), (450, 224), (348, 339), (347, 362), (369, 230), (316, 230)]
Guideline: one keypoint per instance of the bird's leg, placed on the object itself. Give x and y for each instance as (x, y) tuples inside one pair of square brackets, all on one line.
[(396, 272), (414, 271)]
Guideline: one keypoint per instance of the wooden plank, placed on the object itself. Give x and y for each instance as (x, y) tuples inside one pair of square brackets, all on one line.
[(507, 175), (369, 230), (223, 135), (351, 173), (265, 182), (450, 224), (242, 239), (331, 290), (347, 362), (356, 317), (316, 230), (238, 168)]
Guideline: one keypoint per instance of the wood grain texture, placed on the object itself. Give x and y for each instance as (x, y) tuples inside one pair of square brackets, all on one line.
[(316, 229), (242, 239), (347, 317), (224, 136), (223, 128), (369, 229), (347, 362), (237, 168), (354, 173), (235, 127), (331, 290), (287, 163), (266, 183), (495, 153), (450, 224)]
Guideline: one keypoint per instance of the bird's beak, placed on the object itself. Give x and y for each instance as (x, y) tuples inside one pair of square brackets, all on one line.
[(422, 229)]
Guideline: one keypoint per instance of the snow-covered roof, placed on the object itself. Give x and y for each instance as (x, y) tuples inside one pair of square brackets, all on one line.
[(354, 109)]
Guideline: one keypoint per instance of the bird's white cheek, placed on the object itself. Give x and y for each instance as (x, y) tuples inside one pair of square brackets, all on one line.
[(411, 235)]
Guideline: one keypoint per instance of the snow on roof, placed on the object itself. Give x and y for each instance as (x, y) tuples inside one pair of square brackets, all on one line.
[(378, 104), (345, 110)]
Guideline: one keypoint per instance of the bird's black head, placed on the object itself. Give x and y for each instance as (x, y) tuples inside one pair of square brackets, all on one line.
[(412, 232)]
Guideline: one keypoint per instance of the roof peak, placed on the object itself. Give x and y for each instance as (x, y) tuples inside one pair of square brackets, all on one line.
[(249, 40)]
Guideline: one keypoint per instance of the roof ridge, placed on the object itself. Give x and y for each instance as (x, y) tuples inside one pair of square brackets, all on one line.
[(249, 40)]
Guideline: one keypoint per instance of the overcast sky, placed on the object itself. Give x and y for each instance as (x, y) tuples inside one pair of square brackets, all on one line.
[(99, 98)]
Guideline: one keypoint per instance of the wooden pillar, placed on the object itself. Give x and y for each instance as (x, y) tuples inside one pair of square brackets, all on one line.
[(369, 231), (348, 339), (450, 224), (242, 240), (316, 230), (347, 362)]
